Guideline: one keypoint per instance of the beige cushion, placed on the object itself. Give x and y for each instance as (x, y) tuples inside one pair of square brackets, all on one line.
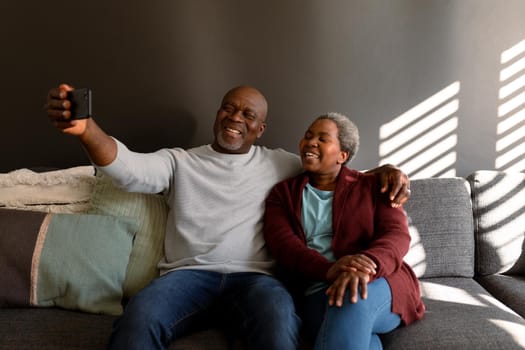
[(151, 212)]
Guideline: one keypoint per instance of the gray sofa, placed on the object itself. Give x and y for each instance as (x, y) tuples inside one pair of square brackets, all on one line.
[(467, 249)]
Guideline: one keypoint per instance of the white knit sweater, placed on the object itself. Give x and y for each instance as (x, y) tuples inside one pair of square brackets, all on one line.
[(216, 202)]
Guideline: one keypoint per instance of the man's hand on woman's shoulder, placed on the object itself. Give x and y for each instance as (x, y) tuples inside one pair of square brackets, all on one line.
[(395, 182)]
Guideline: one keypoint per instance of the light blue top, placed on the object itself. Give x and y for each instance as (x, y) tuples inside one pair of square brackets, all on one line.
[(317, 224)]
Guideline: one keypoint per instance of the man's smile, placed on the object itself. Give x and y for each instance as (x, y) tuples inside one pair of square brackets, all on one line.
[(232, 131)]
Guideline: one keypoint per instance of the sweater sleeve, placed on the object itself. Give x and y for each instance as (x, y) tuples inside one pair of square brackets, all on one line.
[(285, 237), (141, 172)]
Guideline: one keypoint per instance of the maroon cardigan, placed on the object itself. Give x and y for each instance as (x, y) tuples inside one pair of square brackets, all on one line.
[(362, 222)]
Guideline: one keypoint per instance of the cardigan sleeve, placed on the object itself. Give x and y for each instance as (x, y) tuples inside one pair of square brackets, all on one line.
[(391, 238), (285, 238)]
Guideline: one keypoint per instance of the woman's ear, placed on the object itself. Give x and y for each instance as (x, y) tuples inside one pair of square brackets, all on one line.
[(343, 157)]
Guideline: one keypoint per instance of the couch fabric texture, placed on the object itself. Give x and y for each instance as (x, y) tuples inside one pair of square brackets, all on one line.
[(467, 249)]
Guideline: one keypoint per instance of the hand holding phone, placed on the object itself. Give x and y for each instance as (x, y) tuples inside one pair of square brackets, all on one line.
[(80, 103)]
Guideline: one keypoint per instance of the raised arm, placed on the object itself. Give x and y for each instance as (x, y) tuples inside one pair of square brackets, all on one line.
[(99, 146)]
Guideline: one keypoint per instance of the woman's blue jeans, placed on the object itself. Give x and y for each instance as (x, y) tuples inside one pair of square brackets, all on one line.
[(352, 326), (255, 306)]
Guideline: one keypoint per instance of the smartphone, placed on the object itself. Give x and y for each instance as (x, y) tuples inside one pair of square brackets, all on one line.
[(80, 103)]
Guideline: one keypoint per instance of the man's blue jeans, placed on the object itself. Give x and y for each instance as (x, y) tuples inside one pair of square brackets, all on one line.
[(352, 326), (255, 306)]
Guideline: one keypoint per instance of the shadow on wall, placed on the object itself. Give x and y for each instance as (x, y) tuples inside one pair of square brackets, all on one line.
[(422, 140), (510, 146), (149, 131)]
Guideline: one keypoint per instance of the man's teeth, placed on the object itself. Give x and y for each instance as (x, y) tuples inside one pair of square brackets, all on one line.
[(233, 130)]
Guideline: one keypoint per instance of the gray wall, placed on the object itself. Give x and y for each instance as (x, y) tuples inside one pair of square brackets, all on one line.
[(159, 69)]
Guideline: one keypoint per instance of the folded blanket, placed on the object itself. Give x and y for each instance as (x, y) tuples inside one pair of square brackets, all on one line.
[(59, 191)]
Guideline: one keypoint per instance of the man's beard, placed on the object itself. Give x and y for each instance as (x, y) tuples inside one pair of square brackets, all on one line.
[(226, 145)]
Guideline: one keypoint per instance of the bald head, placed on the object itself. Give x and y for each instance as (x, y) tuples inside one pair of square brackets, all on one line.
[(255, 95)]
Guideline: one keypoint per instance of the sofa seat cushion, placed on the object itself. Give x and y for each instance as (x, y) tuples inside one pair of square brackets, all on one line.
[(508, 289), (58, 329), (53, 328), (460, 315)]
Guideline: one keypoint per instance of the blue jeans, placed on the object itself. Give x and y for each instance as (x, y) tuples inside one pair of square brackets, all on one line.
[(255, 306), (352, 326)]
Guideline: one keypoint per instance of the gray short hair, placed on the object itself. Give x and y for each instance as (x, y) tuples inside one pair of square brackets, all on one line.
[(347, 133)]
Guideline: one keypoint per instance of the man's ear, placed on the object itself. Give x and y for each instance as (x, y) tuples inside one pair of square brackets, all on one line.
[(262, 127)]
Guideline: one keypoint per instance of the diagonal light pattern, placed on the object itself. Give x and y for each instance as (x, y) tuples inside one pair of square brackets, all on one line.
[(422, 141), (510, 144)]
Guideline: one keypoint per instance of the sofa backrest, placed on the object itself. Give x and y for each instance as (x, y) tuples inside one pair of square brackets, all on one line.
[(498, 200), (441, 226)]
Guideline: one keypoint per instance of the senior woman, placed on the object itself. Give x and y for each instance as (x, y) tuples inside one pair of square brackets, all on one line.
[(332, 228)]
